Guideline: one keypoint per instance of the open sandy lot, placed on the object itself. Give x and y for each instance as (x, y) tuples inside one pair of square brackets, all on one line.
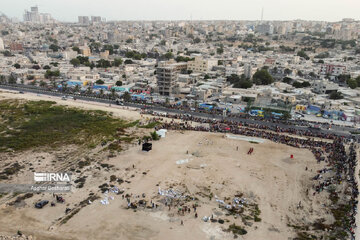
[(205, 166), (211, 163)]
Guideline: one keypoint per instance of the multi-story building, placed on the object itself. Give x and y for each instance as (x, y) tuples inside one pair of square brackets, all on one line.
[(167, 74), (16, 47), (334, 70), (85, 50), (83, 20), (265, 29), (249, 70), (35, 17), (201, 65), (95, 19), (324, 87)]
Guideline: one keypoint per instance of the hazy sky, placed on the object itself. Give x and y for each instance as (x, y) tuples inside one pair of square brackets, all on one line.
[(68, 10)]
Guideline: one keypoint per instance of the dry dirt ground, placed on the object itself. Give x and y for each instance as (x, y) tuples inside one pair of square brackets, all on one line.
[(206, 166), (268, 177)]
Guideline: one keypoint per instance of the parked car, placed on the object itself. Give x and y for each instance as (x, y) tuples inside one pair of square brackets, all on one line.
[(41, 204), (119, 102)]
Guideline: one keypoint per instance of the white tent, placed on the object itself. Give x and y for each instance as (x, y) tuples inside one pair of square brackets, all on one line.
[(161, 132)]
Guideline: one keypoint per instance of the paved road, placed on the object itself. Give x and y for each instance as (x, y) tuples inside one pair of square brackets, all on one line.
[(338, 130)]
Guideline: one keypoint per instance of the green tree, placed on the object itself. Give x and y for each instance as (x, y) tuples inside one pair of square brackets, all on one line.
[(54, 47), (287, 71), (336, 95), (75, 62), (239, 82), (117, 62), (89, 91), (129, 40), (118, 83), (17, 66), (169, 55), (183, 59), (128, 61), (220, 50), (109, 48), (197, 40), (344, 77), (52, 74), (2, 79), (77, 88), (297, 84), (76, 49), (12, 79), (154, 136), (287, 80), (358, 80), (312, 74), (42, 83), (127, 97), (262, 77), (100, 82), (102, 63), (46, 67), (7, 53), (352, 83), (303, 55), (113, 93)]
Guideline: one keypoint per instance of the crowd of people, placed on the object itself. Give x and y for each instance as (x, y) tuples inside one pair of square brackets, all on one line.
[(341, 163), (239, 123)]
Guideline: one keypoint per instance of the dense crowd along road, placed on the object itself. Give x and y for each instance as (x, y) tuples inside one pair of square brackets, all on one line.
[(240, 118)]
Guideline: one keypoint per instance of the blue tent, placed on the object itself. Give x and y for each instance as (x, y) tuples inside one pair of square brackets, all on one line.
[(206, 106), (313, 109)]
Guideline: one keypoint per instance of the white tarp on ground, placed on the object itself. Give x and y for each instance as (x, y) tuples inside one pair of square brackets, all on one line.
[(249, 139), (161, 132), (182, 161)]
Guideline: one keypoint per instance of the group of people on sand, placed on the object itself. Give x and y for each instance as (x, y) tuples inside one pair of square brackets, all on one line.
[(231, 126), (341, 163), (241, 117), (251, 150), (341, 172)]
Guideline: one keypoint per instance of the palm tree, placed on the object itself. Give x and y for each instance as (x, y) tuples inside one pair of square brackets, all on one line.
[(42, 83), (89, 91), (2, 79), (127, 97), (53, 83), (65, 87), (113, 93), (77, 88)]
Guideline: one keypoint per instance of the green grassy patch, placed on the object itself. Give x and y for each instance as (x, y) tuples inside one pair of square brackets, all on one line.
[(150, 125), (25, 125)]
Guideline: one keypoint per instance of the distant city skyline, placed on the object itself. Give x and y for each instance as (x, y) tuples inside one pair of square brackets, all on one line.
[(69, 10)]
